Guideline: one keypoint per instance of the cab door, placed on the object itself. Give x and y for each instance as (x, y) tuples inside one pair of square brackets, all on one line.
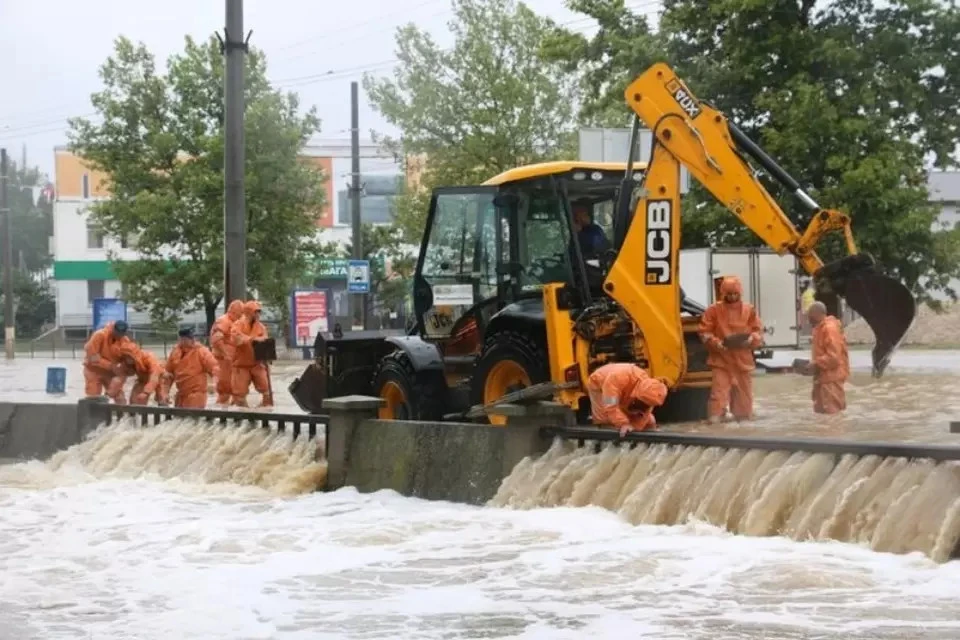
[(457, 269)]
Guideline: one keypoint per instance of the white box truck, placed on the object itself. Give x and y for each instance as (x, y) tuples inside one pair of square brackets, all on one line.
[(770, 283)]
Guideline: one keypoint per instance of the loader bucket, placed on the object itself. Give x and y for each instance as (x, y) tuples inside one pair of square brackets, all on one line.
[(884, 303), (310, 389)]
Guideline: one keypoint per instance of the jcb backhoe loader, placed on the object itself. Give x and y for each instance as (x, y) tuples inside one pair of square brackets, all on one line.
[(505, 297)]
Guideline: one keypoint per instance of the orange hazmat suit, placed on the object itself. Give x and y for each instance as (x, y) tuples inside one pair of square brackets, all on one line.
[(148, 371), (223, 349), (245, 331), (623, 395), (831, 360), (187, 367), (102, 353), (732, 364)]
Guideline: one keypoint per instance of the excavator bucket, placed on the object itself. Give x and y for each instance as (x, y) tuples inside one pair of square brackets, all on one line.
[(884, 303)]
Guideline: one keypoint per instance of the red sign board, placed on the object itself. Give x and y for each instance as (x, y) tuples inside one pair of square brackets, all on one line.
[(309, 315)]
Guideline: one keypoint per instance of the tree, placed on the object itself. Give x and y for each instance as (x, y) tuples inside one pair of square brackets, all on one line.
[(160, 144), (31, 220), (850, 98), (480, 108), (34, 305)]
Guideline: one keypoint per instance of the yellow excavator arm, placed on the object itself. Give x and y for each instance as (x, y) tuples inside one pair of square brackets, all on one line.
[(644, 277)]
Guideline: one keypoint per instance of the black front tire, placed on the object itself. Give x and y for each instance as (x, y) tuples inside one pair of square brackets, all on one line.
[(424, 392), (520, 348)]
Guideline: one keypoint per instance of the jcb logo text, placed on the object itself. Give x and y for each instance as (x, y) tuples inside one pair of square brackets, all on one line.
[(686, 101), (658, 263)]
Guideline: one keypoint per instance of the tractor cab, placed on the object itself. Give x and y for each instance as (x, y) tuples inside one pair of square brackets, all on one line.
[(490, 249)]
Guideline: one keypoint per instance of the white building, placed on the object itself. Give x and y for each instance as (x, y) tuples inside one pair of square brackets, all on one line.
[(82, 270), (945, 192)]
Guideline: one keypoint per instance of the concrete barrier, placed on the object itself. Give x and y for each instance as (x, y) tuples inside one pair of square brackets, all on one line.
[(459, 462), (37, 430)]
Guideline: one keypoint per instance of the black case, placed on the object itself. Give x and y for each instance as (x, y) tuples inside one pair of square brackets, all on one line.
[(265, 351)]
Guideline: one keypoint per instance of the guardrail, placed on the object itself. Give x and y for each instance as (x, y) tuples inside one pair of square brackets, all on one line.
[(811, 445), (313, 425)]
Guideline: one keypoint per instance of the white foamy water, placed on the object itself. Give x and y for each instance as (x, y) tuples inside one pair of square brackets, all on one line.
[(120, 559), (176, 534), (888, 504)]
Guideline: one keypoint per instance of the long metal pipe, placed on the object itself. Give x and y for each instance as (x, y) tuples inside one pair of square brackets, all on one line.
[(811, 445)]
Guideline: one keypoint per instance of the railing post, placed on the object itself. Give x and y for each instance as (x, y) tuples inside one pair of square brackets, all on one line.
[(90, 413), (346, 414), (524, 423)]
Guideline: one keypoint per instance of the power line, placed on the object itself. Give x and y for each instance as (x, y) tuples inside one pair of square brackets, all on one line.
[(46, 127)]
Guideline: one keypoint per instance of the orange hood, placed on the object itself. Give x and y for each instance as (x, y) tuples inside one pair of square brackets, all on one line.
[(650, 391), (235, 310), (731, 284)]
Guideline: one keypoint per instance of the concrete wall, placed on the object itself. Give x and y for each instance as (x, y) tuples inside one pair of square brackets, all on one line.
[(459, 462), (37, 430), (434, 461)]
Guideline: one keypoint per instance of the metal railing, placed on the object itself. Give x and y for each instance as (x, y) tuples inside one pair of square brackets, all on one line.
[(145, 416), (596, 436)]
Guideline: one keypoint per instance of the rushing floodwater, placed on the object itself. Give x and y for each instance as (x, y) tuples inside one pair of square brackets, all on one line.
[(210, 543)]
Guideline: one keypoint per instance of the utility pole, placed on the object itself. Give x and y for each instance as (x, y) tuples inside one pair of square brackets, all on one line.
[(359, 301), (9, 328), (234, 202)]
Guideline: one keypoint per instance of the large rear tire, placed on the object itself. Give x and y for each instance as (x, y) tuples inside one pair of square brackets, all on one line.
[(510, 361), (684, 405), (408, 394)]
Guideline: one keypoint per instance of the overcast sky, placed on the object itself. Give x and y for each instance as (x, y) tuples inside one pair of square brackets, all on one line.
[(52, 50)]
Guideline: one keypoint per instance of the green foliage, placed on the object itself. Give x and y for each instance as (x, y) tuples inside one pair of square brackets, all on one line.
[(480, 108), (161, 144), (34, 305), (850, 98), (31, 224)]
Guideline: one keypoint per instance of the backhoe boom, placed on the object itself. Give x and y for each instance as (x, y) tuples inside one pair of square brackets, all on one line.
[(693, 134)]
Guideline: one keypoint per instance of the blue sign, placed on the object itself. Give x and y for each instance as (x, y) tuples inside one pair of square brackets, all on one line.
[(108, 310), (358, 276)]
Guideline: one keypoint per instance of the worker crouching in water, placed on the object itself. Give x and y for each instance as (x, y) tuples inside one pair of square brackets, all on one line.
[(731, 329), (624, 395), (223, 349), (135, 361), (102, 353), (830, 361), (188, 366), (247, 330)]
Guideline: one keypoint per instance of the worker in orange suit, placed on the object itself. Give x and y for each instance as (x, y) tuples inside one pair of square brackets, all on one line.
[(830, 361), (731, 330), (247, 330), (187, 367), (624, 395), (102, 353), (223, 349), (138, 362)]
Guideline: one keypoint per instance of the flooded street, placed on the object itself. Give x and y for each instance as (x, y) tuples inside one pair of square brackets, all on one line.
[(91, 547)]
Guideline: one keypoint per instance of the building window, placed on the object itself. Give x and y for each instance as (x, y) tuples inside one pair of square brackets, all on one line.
[(94, 236), (95, 289), (376, 200), (128, 241), (85, 186)]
